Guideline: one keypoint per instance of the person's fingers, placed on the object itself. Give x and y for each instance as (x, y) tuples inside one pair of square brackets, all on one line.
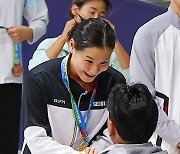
[(87, 150), (92, 151), (178, 145), (11, 30)]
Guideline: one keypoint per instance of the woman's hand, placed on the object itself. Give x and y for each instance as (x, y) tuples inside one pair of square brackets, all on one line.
[(68, 26)]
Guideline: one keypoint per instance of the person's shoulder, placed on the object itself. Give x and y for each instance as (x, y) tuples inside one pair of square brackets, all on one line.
[(130, 148), (154, 26), (47, 42), (46, 67), (114, 149), (113, 74), (148, 34)]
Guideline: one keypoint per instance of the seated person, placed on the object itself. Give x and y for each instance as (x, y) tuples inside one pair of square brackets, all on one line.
[(133, 116)]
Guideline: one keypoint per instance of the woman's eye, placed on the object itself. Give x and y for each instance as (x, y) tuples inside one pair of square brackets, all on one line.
[(88, 61), (92, 12), (103, 63)]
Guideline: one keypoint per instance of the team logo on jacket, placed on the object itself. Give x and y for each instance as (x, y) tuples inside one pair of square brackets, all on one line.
[(101, 103), (59, 101)]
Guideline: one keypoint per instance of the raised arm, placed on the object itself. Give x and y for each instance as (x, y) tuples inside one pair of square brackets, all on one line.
[(120, 59), (122, 55), (57, 46), (52, 48)]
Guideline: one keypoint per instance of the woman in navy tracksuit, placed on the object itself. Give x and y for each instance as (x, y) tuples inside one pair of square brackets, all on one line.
[(64, 99)]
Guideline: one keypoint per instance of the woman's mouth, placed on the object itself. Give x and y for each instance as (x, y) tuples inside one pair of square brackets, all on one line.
[(89, 76)]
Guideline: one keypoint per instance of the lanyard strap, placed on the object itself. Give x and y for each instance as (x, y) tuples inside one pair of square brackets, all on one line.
[(80, 120), (17, 53), (2, 27)]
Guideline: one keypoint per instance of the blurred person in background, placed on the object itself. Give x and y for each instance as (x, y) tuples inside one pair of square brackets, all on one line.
[(155, 62), (12, 33)]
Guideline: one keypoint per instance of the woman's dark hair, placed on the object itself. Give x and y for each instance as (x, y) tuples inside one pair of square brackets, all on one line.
[(80, 3), (93, 32), (133, 111)]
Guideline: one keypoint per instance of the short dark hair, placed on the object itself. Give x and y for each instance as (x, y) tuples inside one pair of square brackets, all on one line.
[(134, 112), (80, 3), (93, 32)]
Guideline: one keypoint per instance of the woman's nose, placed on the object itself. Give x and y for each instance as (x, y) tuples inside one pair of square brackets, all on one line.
[(94, 70), (96, 15)]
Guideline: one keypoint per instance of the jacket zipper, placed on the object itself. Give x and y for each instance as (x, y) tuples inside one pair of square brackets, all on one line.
[(75, 125)]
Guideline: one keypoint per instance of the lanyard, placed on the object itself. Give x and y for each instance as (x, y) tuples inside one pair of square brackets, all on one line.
[(17, 54), (2, 27), (76, 111)]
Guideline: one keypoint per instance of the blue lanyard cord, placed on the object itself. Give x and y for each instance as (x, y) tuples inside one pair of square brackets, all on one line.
[(80, 120)]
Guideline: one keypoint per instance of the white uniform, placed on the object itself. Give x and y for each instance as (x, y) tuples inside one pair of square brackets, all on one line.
[(155, 61), (11, 12)]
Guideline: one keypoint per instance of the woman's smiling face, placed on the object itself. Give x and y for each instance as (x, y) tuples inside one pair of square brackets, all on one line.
[(89, 62)]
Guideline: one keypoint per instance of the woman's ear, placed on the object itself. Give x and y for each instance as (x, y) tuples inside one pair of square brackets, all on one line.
[(74, 9), (72, 45)]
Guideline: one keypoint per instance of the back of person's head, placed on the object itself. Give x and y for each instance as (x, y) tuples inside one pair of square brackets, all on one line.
[(80, 3), (133, 111), (93, 32)]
